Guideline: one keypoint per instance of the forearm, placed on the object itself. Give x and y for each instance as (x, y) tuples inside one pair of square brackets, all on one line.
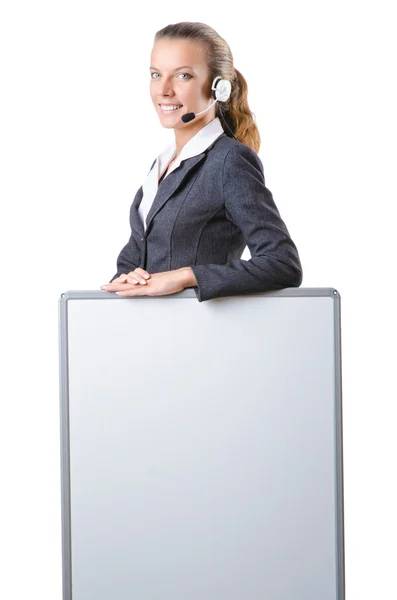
[(259, 274)]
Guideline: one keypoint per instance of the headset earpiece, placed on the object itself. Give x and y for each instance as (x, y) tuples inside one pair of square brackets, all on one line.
[(221, 89)]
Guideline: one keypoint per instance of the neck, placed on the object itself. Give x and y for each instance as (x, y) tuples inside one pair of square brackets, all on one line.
[(186, 132)]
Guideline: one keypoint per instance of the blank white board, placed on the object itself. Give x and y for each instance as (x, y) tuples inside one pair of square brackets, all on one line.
[(201, 446)]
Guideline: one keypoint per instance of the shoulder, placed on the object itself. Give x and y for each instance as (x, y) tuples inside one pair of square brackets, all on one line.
[(234, 153), (241, 162), (228, 155)]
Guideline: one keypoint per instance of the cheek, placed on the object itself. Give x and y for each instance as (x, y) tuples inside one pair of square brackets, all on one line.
[(206, 90), (191, 91), (154, 94), (153, 86)]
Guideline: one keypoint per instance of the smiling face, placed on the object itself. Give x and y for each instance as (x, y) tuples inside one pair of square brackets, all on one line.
[(179, 76)]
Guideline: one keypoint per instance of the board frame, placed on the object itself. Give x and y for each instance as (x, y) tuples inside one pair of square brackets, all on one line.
[(188, 294)]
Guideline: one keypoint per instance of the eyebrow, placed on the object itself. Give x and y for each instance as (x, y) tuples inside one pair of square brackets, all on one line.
[(183, 67)]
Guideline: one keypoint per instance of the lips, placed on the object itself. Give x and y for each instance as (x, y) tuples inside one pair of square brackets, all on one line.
[(169, 111)]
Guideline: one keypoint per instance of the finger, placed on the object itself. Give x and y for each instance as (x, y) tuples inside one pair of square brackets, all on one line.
[(142, 272), (110, 287), (120, 279), (134, 279), (115, 285)]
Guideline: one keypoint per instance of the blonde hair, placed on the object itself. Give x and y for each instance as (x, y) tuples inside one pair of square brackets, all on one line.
[(235, 111)]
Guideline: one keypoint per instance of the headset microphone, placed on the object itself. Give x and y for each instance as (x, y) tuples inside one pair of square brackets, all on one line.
[(221, 92), (190, 116)]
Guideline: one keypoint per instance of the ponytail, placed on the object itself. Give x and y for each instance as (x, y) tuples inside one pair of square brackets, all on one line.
[(237, 114)]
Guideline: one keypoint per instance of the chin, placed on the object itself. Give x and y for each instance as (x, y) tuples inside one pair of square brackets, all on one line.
[(170, 125)]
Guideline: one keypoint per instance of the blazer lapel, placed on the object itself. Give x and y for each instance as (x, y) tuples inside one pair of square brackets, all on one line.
[(135, 217), (135, 220), (170, 184)]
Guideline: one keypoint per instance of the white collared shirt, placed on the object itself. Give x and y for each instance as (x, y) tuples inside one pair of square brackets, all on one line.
[(197, 144)]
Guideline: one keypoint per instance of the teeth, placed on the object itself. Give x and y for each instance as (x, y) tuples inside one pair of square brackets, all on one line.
[(170, 106)]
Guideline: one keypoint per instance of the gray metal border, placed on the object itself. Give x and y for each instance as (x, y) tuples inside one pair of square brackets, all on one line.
[(65, 448), (338, 428), (190, 293)]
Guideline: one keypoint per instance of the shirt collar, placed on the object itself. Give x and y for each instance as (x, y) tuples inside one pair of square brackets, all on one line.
[(197, 144)]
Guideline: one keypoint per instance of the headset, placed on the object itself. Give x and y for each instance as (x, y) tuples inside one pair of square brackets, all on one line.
[(221, 89)]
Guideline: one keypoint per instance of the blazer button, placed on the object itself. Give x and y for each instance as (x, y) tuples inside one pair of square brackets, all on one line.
[(141, 239)]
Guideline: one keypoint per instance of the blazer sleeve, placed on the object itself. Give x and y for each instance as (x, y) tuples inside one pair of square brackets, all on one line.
[(128, 259), (275, 262)]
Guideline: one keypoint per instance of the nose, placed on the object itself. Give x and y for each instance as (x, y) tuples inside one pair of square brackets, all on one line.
[(165, 87)]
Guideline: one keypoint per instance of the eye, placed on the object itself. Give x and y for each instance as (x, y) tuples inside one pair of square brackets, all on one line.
[(156, 73)]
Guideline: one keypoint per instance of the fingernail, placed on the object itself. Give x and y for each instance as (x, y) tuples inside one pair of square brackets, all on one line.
[(104, 287)]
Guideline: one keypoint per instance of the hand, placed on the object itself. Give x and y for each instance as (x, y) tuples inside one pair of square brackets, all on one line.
[(158, 284), (137, 276)]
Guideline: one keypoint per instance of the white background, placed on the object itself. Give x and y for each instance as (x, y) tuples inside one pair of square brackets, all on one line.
[(78, 135)]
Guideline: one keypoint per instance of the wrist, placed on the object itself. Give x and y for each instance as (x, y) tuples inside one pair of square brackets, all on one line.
[(189, 279)]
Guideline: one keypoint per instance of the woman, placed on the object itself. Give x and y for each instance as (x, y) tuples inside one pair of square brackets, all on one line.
[(204, 198)]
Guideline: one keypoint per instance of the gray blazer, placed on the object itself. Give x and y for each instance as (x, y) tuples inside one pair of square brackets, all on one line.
[(203, 216)]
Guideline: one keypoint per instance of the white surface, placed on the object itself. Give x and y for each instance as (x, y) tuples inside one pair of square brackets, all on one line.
[(202, 454)]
